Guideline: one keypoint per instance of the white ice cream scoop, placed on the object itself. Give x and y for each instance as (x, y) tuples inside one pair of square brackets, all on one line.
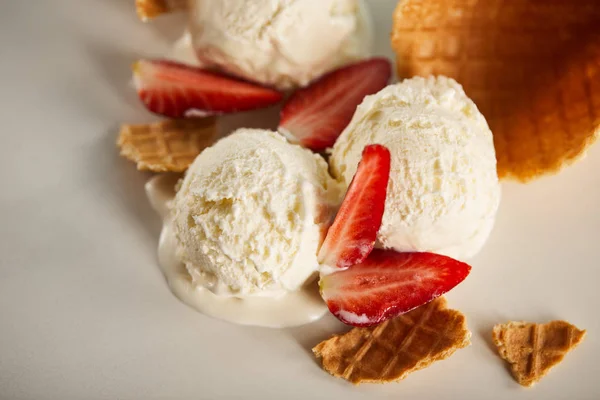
[(251, 213), (443, 192), (280, 43)]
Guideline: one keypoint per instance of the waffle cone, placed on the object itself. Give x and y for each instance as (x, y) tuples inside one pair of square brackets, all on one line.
[(531, 66), (397, 347), (168, 145), (148, 9), (533, 349)]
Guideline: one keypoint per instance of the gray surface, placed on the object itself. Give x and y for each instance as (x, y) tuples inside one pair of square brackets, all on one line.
[(85, 313)]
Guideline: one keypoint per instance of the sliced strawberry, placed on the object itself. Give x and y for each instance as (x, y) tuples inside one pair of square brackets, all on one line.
[(353, 233), (316, 115), (177, 90), (388, 284)]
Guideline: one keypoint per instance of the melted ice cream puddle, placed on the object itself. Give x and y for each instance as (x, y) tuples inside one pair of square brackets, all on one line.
[(290, 309)]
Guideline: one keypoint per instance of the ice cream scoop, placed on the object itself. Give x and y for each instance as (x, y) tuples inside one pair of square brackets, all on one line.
[(250, 214), (281, 43), (443, 192)]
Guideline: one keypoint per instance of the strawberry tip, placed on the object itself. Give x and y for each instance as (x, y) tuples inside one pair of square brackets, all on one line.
[(290, 137)]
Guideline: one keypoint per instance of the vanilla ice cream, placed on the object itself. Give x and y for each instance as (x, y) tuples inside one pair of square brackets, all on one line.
[(282, 43), (443, 192), (251, 213)]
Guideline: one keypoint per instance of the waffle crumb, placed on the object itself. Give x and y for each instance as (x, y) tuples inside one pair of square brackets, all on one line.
[(390, 351), (148, 9), (166, 146), (534, 349)]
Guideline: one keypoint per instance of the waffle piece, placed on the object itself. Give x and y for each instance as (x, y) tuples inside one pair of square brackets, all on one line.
[(148, 9), (168, 145), (392, 350), (531, 66), (533, 349)]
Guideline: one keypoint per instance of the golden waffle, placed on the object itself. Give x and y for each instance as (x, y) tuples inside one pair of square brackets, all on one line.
[(531, 66), (168, 145), (533, 349), (148, 9), (392, 350)]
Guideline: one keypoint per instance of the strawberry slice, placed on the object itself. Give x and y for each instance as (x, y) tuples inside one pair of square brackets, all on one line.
[(176, 90), (352, 235), (316, 115), (388, 284)]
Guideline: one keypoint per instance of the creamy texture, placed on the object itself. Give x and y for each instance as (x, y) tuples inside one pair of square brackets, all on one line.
[(289, 309), (250, 215), (182, 51), (443, 192), (282, 43)]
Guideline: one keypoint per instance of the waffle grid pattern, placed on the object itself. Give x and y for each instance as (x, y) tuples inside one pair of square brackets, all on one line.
[(533, 349), (168, 145), (397, 347), (531, 66)]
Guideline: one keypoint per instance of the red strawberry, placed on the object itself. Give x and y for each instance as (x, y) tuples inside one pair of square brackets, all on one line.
[(177, 90), (388, 284), (352, 236), (316, 115)]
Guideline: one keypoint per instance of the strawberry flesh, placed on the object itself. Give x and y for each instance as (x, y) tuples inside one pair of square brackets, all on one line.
[(388, 284), (316, 115), (176, 90), (352, 235)]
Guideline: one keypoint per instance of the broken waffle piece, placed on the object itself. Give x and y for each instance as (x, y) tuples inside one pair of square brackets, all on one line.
[(390, 351), (148, 9), (533, 349), (165, 146)]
